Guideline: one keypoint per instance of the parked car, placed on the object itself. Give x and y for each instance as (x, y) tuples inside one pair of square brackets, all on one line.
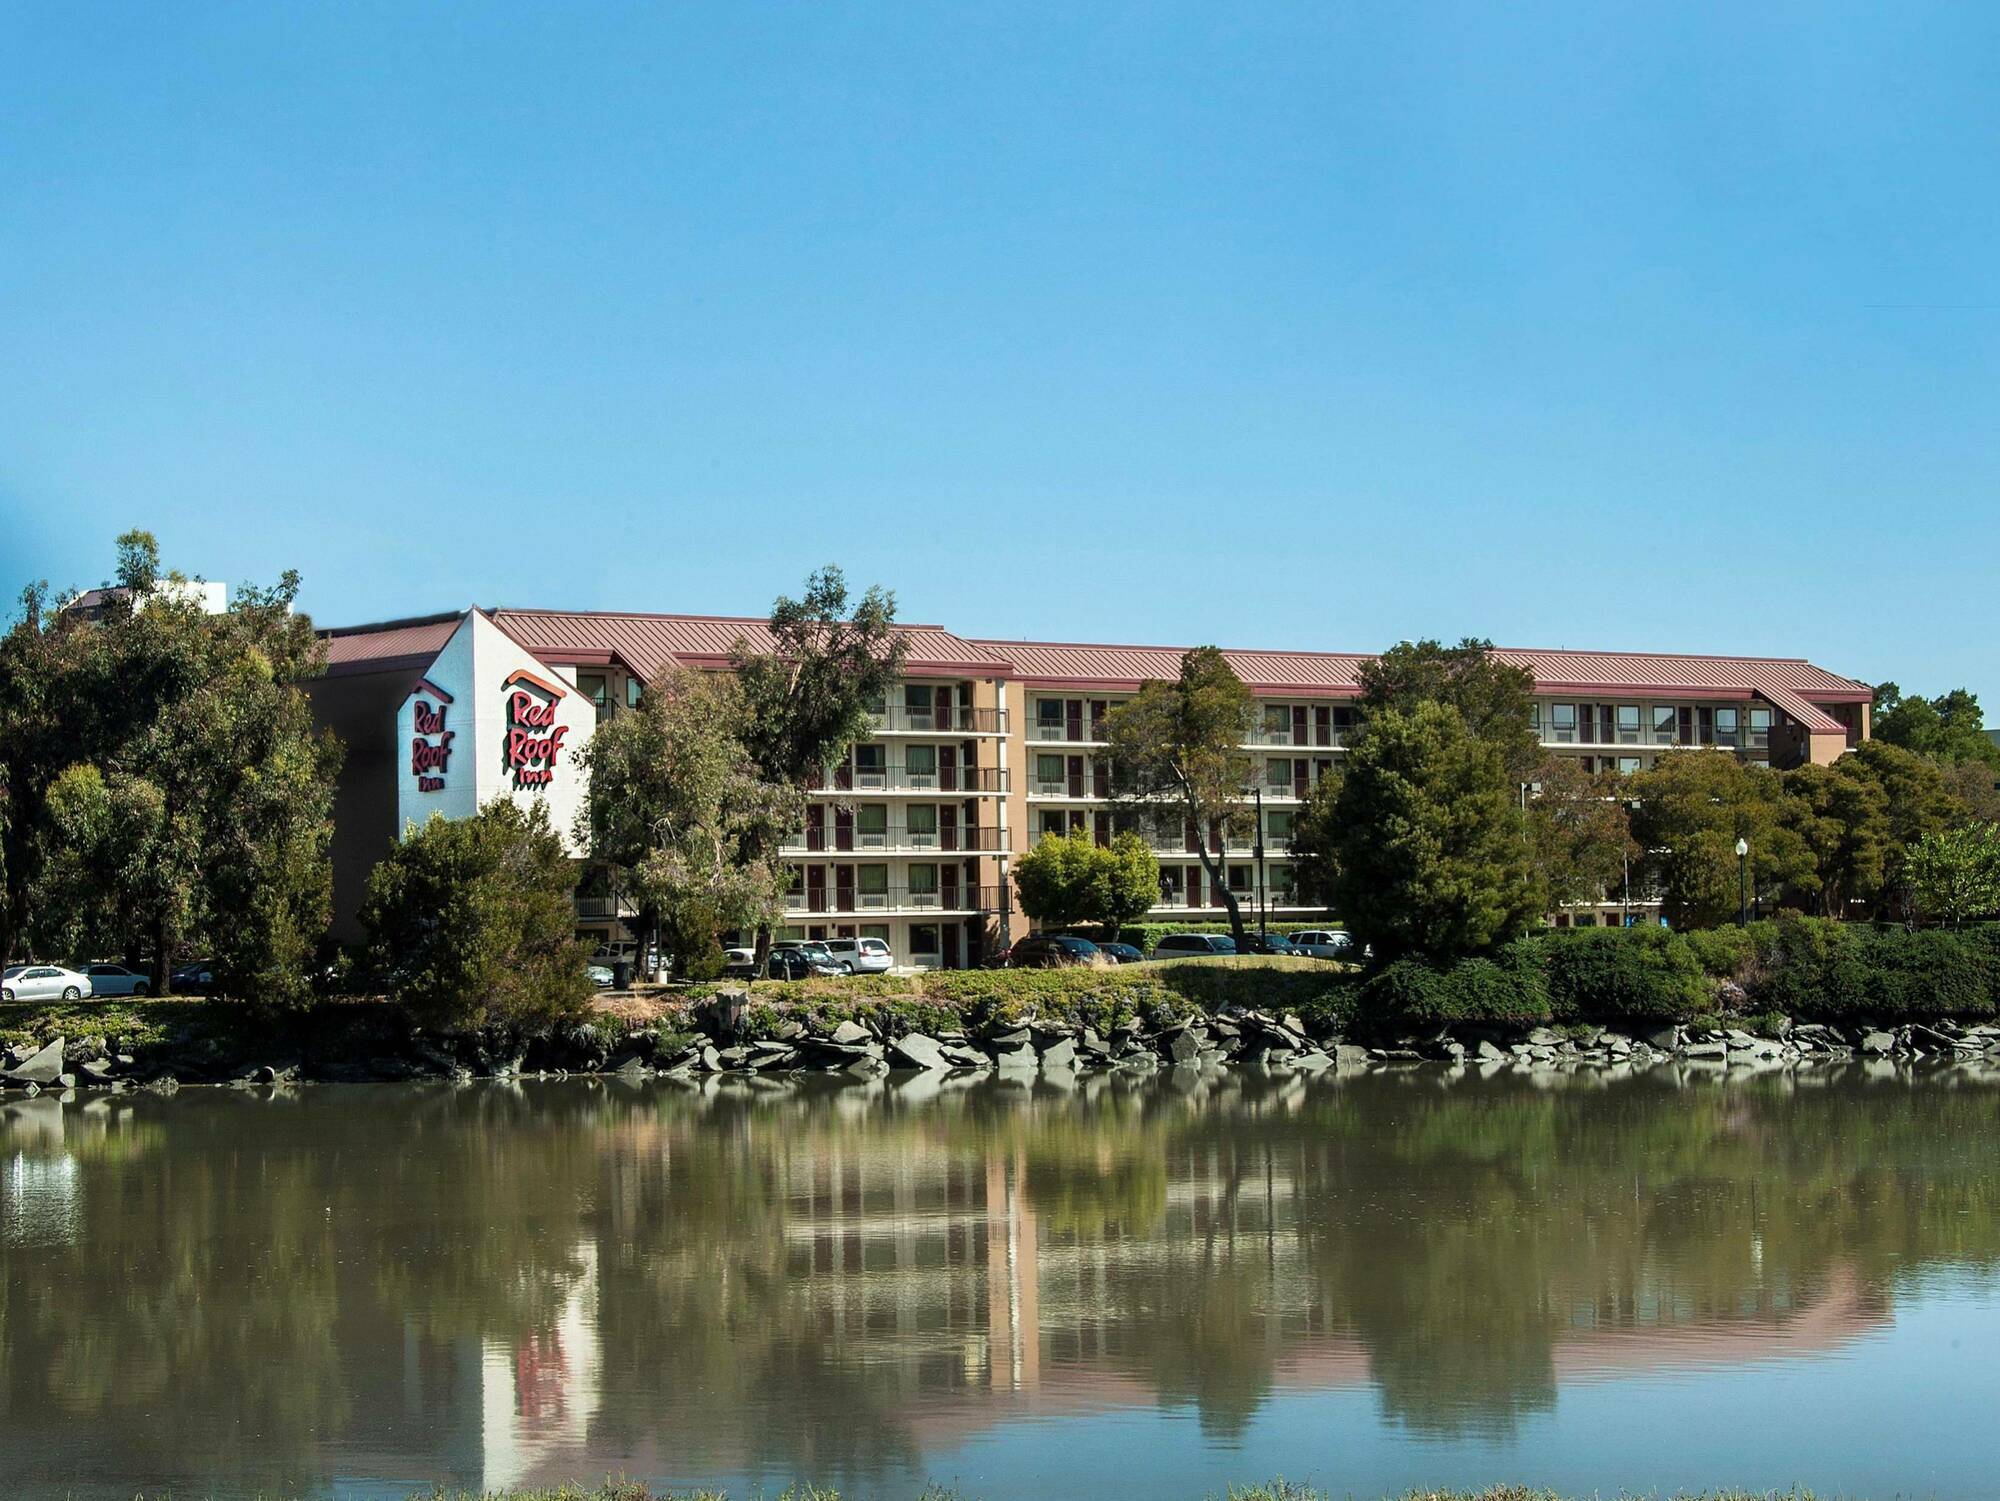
[(816, 954), (739, 964), (860, 956), (1325, 943), (194, 979), (789, 964), (116, 979), (1271, 943), (601, 976), (1188, 945), (44, 982), (1052, 951), (1120, 953)]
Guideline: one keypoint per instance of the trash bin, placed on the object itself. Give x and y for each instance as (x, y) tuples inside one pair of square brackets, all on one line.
[(621, 974)]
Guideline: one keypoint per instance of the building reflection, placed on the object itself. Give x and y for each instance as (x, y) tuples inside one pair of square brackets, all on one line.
[(513, 1286)]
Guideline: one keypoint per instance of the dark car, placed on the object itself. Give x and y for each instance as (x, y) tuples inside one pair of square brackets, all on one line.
[(194, 979), (1051, 951), (1272, 944), (1120, 953), (790, 964)]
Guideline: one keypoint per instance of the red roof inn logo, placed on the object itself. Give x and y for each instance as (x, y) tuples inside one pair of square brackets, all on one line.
[(534, 739), (430, 747)]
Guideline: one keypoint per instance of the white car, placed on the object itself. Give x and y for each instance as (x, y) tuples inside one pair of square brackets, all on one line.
[(44, 982), (860, 956), (116, 979), (1325, 943)]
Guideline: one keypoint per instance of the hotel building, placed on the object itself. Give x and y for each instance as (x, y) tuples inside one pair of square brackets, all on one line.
[(982, 747)]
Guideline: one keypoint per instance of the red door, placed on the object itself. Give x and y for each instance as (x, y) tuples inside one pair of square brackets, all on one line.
[(1103, 832), (815, 828), (1194, 885), (843, 828), (948, 768), (1076, 776), (1301, 779), (947, 828), (1298, 724), (1322, 726), (946, 719), (1098, 708), (815, 888), (948, 886), (1100, 777), (843, 888), (1073, 719)]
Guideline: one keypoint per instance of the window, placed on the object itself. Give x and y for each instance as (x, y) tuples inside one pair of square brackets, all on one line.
[(1563, 718), (592, 686), (923, 880), (1278, 826), (1054, 822), (872, 880), (1627, 765), (871, 761), (920, 761), (1535, 719), (922, 821), (1049, 774), (1278, 773), (1725, 726), (1277, 720), (924, 940), (917, 698), (1239, 878), (1760, 728), (634, 691), (1049, 718), (879, 931), (871, 821), (1628, 724), (878, 705), (1664, 720)]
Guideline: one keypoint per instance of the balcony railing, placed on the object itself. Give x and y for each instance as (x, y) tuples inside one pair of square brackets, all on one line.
[(904, 719), (605, 906), (949, 779), (897, 841), (1068, 731), (896, 899)]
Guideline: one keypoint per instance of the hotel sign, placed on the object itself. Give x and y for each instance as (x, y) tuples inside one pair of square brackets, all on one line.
[(533, 739), (430, 745)]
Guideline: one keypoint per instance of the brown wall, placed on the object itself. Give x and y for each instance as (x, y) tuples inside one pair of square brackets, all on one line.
[(361, 710)]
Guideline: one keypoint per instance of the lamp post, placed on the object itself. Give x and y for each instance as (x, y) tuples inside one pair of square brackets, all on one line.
[(1743, 883), (1257, 850)]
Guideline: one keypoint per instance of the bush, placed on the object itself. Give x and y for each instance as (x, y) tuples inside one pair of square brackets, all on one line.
[(1417, 993), (1605, 974), (1932, 973), (473, 920), (1724, 953), (1809, 967)]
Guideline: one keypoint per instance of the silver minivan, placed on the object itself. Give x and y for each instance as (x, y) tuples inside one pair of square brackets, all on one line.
[(1192, 945), (860, 956)]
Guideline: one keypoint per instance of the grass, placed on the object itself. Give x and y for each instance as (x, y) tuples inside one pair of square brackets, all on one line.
[(1271, 1490)]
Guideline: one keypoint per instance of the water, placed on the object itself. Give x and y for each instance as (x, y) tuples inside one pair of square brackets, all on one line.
[(1106, 1290)]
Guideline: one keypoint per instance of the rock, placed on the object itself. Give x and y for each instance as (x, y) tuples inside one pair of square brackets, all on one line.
[(1186, 1046), (868, 1068), (770, 1059), (1487, 1053), (1018, 1059), (98, 1069), (711, 1061), (44, 1067), (915, 1050), (1664, 1038), (1060, 1055), (1877, 1043), (1714, 1049), (851, 1034), (733, 1057), (1347, 1055), (1011, 1037), (631, 1064), (964, 1057)]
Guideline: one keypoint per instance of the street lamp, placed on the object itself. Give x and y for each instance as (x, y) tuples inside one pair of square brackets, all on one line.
[(1743, 882), (1263, 926)]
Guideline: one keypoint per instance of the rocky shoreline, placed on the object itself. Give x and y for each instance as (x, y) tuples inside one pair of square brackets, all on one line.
[(719, 1040)]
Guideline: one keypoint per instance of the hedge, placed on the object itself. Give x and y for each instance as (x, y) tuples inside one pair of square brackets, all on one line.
[(1621, 974)]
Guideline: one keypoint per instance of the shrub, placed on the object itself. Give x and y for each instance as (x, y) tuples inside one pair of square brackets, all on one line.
[(1725, 953), (1417, 993), (1932, 973), (1809, 967), (473, 920), (1602, 974)]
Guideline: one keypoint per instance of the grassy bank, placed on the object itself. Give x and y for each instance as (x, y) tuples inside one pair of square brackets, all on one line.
[(1274, 1490)]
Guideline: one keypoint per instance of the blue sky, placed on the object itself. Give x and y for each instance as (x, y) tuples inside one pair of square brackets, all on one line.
[(1654, 327)]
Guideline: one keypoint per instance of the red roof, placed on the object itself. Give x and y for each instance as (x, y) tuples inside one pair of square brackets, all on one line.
[(387, 647), (1791, 684)]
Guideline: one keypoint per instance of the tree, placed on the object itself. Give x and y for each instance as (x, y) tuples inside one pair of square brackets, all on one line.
[(164, 784), (1430, 853), (1693, 805), (1315, 851), (678, 809), (1949, 728), (1841, 815), (1579, 832), (1955, 875), (1916, 801), (473, 920), (1180, 745), (809, 699), (1069, 881), (1494, 698), (1975, 787)]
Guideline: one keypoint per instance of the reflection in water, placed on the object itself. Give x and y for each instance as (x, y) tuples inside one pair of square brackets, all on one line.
[(505, 1284)]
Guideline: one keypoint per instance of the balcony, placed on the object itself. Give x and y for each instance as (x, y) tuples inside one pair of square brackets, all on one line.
[(896, 899), (1067, 731), (896, 840), (904, 719), (952, 780)]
